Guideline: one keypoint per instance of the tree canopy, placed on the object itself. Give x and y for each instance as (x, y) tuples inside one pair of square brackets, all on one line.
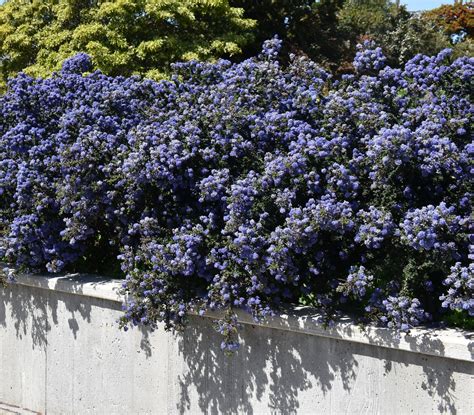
[(306, 26), (126, 37), (456, 19), (123, 37)]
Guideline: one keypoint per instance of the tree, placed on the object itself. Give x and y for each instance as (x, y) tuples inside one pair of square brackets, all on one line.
[(370, 17), (401, 34), (456, 20), (366, 19), (123, 37), (410, 37), (306, 27)]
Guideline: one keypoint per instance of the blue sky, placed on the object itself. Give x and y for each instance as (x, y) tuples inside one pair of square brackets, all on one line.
[(424, 4)]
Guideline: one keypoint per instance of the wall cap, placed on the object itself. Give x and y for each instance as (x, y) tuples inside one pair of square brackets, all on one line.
[(439, 342)]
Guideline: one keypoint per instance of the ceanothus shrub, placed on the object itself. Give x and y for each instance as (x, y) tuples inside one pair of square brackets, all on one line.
[(249, 186)]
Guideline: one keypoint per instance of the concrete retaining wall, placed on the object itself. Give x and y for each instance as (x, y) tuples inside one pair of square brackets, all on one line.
[(61, 353)]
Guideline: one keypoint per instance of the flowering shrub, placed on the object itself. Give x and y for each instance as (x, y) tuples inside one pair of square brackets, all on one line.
[(249, 186)]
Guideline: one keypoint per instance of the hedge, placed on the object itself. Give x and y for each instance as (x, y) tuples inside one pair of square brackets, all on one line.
[(249, 186)]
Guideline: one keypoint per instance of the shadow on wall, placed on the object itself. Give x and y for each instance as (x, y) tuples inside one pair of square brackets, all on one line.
[(280, 365), (27, 311), (30, 307), (283, 365), (273, 366)]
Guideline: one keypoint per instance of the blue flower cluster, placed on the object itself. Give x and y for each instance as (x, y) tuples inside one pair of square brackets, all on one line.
[(248, 185), (357, 282), (460, 283), (369, 57), (402, 312), (430, 227)]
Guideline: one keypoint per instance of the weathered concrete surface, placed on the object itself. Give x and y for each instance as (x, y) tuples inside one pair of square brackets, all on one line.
[(61, 353)]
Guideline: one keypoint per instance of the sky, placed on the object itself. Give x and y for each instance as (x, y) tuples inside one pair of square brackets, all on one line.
[(415, 5)]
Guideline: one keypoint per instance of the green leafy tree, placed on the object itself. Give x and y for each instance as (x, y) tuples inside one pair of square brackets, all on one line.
[(465, 48), (306, 27), (123, 37), (401, 34), (410, 37), (358, 20), (369, 17)]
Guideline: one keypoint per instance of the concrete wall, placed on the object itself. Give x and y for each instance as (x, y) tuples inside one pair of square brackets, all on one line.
[(61, 353)]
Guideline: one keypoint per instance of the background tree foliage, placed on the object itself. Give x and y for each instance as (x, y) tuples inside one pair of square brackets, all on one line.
[(127, 37), (328, 30), (306, 27), (456, 19), (365, 19), (123, 36), (369, 17), (402, 34), (410, 36)]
